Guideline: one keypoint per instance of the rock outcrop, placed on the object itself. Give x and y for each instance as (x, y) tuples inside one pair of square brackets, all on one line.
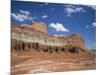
[(29, 37), (73, 39), (33, 48), (40, 26)]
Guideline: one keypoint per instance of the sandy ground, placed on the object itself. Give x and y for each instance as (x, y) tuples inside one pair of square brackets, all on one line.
[(39, 62)]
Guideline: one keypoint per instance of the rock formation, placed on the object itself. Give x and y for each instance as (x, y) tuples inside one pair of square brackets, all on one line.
[(33, 48), (35, 37), (73, 39), (40, 26)]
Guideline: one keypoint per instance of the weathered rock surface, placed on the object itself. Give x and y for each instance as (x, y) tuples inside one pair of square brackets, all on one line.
[(34, 51), (37, 32)]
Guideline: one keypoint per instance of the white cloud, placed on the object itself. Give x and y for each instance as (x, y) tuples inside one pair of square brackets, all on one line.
[(44, 16), (94, 24), (92, 6), (22, 16), (58, 27), (19, 17), (58, 35), (24, 12), (71, 9)]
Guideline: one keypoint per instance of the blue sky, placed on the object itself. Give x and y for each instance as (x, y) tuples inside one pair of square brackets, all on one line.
[(61, 19)]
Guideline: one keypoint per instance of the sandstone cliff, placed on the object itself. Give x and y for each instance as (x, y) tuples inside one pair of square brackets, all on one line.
[(33, 48), (40, 26), (73, 39), (37, 32)]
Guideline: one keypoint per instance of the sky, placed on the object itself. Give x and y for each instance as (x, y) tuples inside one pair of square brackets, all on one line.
[(61, 19)]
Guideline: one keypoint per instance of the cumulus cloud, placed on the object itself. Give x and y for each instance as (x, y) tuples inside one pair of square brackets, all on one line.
[(71, 9), (19, 17), (44, 16), (22, 16), (58, 27), (25, 12)]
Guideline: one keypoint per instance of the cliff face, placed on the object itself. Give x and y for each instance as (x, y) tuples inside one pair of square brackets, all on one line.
[(32, 48), (37, 33), (40, 26), (74, 39)]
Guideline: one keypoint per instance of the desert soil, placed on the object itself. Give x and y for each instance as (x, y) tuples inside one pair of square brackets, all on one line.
[(40, 62)]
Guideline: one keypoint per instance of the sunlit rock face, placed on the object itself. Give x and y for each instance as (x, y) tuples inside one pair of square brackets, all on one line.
[(40, 26), (26, 35), (73, 39)]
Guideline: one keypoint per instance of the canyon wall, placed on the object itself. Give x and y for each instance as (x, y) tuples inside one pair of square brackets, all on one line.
[(73, 39), (40, 26), (29, 37)]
